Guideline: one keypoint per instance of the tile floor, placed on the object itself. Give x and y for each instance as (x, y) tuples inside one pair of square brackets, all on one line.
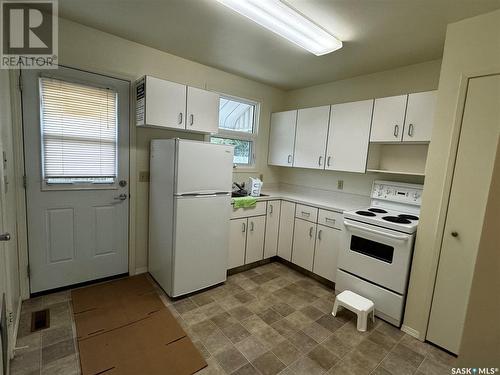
[(265, 321)]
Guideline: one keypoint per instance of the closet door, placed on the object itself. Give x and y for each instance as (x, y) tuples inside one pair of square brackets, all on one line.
[(310, 141), (474, 163), (348, 136)]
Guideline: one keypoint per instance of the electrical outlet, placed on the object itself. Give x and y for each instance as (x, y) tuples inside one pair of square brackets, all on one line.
[(144, 176), (340, 184)]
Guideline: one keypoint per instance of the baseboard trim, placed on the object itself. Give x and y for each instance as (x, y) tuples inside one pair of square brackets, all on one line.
[(412, 332), (140, 270), (16, 329)]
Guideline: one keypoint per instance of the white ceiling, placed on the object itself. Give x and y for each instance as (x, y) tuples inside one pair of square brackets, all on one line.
[(377, 34)]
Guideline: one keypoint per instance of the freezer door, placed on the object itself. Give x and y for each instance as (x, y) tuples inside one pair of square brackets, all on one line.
[(201, 242), (203, 168)]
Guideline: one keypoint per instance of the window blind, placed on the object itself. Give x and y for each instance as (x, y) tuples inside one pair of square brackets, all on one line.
[(78, 129)]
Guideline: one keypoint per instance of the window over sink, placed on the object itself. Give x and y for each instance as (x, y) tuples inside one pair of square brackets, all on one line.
[(238, 128)]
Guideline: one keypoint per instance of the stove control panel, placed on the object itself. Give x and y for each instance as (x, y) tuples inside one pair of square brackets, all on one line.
[(397, 192)]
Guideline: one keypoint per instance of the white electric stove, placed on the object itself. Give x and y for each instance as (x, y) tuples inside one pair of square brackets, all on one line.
[(376, 256)]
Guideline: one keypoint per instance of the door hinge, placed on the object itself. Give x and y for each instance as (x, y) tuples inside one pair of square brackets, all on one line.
[(25, 183), (10, 318), (20, 83)]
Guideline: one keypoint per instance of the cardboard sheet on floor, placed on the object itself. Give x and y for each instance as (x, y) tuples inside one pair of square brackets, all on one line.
[(123, 311), (108, 293), (155, 345)]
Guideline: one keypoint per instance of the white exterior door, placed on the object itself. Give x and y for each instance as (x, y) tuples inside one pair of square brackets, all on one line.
[(165, 103), (255, 239), (310, 141), (348, 136), (5, 334), (76, 180), (464, 221), (420, 117), (303, 244), (202, 110), (388, 119), (282, 138)]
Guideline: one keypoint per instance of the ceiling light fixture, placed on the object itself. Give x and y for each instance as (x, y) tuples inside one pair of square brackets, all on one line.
[(285, 21)]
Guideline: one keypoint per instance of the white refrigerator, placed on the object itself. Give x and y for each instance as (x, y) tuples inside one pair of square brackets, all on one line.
[(189, 212)]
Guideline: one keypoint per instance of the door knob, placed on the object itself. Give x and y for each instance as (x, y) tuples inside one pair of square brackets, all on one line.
[(454, 234), (121, 197), (5, 237)]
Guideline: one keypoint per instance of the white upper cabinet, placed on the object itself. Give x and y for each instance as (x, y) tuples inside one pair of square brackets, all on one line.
[(348, 136), (282, 138), (202, 110), (160, 103), (388, 119), (420, 117), (311, 134)]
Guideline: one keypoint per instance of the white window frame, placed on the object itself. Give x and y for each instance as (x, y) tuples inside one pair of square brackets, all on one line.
[(251, 137)]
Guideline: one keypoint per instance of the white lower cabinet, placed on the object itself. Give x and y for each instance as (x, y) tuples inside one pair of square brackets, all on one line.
[(285, 233), (304, 239), (255, 239), (237, 242), (328, 242), (272, 227)]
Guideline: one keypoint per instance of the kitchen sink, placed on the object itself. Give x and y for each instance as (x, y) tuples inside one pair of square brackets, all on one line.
[(235, 194)]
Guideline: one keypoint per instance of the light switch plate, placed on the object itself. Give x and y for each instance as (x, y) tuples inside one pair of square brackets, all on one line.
[(144, 176)]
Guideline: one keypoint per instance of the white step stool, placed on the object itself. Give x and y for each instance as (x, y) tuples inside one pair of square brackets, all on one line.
[(359, 305)]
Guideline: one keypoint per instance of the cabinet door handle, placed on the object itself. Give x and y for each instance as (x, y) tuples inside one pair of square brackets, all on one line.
[(289, 159), (330, 219), (243, 227), (251, 226), (328, 161), (410, 130), (319, 160), (270, 209), (396, 130), (180, 118), (311, 232), (319, 234), (191, 119), (305, 213)]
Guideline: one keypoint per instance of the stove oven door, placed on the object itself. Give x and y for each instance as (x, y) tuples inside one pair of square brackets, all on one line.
[(381, 256)]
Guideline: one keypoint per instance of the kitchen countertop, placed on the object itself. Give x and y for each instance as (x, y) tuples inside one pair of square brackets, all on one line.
[(325, 199)]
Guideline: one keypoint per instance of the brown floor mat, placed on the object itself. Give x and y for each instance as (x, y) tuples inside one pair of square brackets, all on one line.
[(124, 328)]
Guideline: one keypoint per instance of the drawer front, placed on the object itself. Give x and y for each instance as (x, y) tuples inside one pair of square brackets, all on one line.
[(306, 213), (330, 219), (259, 209)]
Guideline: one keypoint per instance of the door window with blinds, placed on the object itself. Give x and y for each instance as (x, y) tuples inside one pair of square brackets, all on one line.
[(79, 128)]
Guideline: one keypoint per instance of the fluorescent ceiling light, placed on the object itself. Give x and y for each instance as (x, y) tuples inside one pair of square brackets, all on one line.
[(285, 21)]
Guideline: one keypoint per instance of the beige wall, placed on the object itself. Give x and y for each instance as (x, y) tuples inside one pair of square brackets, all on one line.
[(96, 51), (413, 78), (472, 47), (481, 336)]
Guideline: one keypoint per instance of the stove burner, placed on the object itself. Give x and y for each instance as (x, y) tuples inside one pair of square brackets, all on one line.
[(377, 210), (365, 213), (396, 219), (409, 217)]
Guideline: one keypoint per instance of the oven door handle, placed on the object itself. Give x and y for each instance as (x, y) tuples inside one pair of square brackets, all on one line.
[(394, 236)]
